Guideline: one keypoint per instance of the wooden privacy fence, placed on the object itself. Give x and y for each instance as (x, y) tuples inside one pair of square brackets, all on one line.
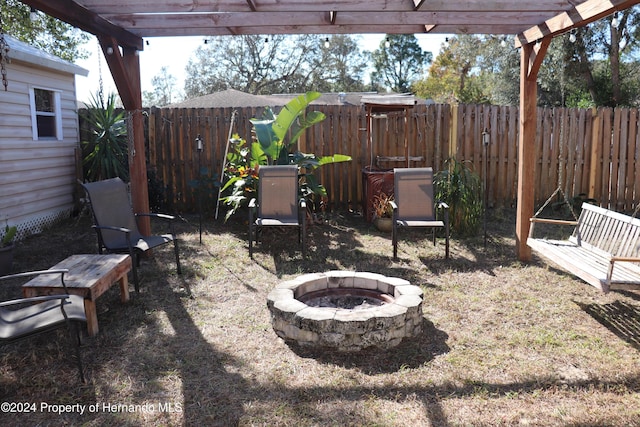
[(594, 152)]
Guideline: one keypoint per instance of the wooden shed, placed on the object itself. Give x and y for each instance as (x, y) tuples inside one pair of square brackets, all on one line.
[(39, 138)]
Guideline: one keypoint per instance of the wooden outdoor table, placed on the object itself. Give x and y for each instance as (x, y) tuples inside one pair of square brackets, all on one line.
[(89, 276)]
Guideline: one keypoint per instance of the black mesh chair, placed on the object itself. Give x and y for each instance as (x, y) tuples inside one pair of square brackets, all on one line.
[(25, 317), (117, 227)]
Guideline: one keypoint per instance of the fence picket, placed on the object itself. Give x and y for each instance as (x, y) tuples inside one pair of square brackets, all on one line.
[(597, 151)]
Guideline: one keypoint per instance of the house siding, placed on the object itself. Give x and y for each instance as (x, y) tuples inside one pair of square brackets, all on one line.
[(38, 177)]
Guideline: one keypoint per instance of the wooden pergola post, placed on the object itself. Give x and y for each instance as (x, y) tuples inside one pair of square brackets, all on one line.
[(531, 57), (125, 69)]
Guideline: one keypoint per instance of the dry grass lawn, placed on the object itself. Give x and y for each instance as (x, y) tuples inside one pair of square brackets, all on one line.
[(504, 343)]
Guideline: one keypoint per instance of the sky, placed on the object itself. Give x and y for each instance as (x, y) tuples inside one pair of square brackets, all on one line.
[(175, 52)]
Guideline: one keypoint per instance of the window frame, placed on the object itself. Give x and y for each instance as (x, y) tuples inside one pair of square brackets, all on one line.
[(56, 114)]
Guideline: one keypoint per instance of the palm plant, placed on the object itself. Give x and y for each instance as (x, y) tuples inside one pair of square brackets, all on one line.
[(106, 151)]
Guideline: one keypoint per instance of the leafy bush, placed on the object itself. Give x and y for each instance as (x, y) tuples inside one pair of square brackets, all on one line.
[(240, 177), (461, 189), (382, 205), (9, 234)]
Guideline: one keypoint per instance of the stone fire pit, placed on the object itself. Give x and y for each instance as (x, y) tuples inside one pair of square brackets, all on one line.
[(345, 310)]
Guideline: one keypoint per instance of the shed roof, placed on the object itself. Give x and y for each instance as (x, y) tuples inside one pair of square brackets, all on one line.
[(21, 51)]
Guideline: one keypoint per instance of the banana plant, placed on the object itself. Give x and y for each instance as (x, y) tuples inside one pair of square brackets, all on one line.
[(271, 131), (275, 136)]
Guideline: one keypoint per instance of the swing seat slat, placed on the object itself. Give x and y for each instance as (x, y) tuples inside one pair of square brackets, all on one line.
[(603, 250)]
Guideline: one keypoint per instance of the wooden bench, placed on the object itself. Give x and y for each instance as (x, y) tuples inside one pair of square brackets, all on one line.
[(604, 249)]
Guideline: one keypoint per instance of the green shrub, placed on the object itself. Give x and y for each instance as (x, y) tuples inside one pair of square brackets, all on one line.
[(461, 189)]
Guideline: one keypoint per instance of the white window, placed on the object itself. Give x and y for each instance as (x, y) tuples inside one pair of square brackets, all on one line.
[(46, 118)]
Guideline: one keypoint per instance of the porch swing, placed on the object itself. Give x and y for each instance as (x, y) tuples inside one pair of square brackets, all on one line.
[(558, 191), (601, 240)]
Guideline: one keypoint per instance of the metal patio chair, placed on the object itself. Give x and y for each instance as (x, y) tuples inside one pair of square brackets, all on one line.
[(117, 227), (414, 205), (278, 203), (25, 317)]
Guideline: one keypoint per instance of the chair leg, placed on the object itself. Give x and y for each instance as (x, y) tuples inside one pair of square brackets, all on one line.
[(447, 230), (134, 267), (394, 238), (302, 231), (78, 340), (251, 231), (446, 244), (446, 247), (175, 249)]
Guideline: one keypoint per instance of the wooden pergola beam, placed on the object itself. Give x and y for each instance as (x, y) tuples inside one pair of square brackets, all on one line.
[(254, 21), (82, 18), (581, 15)]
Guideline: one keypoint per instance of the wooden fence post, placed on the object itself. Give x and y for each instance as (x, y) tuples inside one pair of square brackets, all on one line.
[(453, 131), (442, 131)]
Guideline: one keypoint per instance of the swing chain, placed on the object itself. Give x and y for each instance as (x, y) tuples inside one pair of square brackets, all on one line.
[(560, 178), (100, 80), (4, 56)]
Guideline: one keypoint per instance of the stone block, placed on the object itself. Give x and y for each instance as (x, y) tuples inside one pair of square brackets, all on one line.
[(364, 280), (296, 334), (310, 282), (340, 279), (400, 290), (278, 294), (316, 319), (332, 339), (289, 284), (409, 301), (287, 308)]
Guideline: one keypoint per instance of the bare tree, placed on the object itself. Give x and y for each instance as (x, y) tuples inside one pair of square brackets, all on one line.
[(252, 63), (164, 89)]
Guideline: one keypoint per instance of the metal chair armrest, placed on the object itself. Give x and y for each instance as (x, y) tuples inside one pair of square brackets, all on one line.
[(33, 299), (61, 271), (165, 217), (108, 227)]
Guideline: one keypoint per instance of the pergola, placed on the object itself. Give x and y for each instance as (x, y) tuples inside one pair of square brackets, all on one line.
[(121, 26)]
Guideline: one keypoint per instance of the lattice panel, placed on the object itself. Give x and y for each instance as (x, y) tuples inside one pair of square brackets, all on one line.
[(36, 225)]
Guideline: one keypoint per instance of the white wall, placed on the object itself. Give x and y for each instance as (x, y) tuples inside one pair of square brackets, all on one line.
[(37, 177)]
